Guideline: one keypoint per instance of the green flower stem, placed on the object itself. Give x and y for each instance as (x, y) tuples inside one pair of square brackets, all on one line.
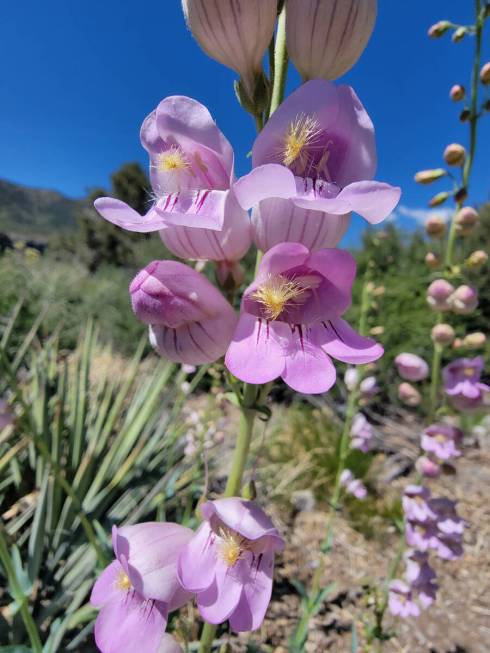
[(19, 597), (468, 166), (280, 63), (234, 483), (434, 381), (474, 117)]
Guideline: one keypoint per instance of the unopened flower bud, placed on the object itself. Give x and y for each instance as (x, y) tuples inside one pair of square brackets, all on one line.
[(369, 387), (234, 32), (454, 154), (411, 367), (439, 199), (443, 334), (379, 291), (474, 340), (465, 220), (377, 331), (457, 93), (432, 260), (486, 105), (438, 294), (428, 176), (409, 395), (476, 259), (459, 34), (463, 300), (458, 343), (427, 467), (351, 378), (439, 28), (325, 38), (230, 274), (485, 73), (435, 226), (465, 115)]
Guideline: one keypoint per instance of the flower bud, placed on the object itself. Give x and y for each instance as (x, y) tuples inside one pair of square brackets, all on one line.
[(427, 467), (465, 220), (486, 105), (435, 226), (485, 73), (459, 34), (230, 274), (439, 199), (369, 387), (457, 93), (474, 340), (411, 367), (465, 115), (458, 343), (409, 395), (476, 259), (438, 294), (351, 378), (428, 176), (325, 38), (440, 28), (432, 260), (443, 334), (190, 321), (463, 300), (379, 291), (234, 32), (377, 331), (454, 154)]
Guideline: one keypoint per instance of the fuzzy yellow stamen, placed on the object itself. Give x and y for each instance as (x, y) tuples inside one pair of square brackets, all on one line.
[(276, 292), (469, 371), (231, 547), (172, 160), (123, 582), (302, 132)]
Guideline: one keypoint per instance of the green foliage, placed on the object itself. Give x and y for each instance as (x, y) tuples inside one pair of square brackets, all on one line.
[(95, 442)]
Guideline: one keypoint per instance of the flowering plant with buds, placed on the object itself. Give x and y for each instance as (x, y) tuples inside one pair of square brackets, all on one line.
[(312, 165)]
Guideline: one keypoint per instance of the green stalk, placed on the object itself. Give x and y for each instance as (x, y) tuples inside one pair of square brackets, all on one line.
[(280, 63), (468, 166), (234, 483), (279, 67), (20, 597)]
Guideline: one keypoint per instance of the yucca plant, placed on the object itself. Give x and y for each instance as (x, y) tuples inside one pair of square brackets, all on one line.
[(89, 447)]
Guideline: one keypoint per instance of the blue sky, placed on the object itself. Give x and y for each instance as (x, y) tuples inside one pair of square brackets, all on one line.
[(78, 78)]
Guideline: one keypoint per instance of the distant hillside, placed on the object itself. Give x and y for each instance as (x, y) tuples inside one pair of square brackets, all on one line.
[(35, 212)]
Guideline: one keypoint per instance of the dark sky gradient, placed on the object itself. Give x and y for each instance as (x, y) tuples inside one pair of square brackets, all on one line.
[(78, 77)]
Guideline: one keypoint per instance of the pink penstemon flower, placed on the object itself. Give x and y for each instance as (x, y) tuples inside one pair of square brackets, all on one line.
[(290, 322), (139, 588), (191, 173), (190, 321), (229, 563), (318, 151)]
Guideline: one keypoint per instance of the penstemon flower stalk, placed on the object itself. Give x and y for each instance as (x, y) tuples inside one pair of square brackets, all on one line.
[(314, 157), (433, 524)]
